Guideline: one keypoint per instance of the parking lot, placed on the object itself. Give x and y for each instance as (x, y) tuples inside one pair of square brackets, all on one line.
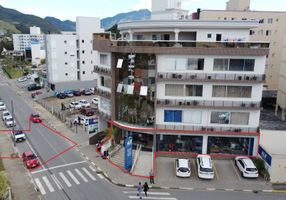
[(226, 176)]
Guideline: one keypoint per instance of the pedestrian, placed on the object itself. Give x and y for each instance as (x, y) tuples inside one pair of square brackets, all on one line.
[(63, 106), (139, 190), (145, 188), (79, 120), (151, 175)]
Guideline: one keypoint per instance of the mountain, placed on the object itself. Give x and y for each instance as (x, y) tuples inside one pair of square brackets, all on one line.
[(66, 25), (22, 22), (108, 22)]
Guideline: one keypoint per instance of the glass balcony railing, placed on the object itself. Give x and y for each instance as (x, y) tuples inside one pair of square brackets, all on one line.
[(102, 70)]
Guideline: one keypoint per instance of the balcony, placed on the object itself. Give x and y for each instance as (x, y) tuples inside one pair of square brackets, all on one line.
[(214, 77), (102, 70), (241, 105), (102, 93)]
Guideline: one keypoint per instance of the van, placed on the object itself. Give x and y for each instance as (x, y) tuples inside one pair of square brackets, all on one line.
[(183, 167), (205, 167)]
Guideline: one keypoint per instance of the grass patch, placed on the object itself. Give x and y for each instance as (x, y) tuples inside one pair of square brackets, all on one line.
[(1, 165), (13, 72)]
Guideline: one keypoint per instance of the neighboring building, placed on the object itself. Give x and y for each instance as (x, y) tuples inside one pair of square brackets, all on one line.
[(33, 43), (271, 28), (70, 56), (171, 85)]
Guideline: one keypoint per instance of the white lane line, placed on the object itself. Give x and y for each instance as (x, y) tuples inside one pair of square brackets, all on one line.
[(152, 198), (151, 193), (100, 176), (88, 173), (82, 176), (40, 186), (59, 166), (48, 184), (73, 177), (65, 179), (57, 182), (92, 169)]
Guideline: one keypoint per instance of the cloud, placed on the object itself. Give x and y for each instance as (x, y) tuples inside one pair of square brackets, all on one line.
[(142, 4)]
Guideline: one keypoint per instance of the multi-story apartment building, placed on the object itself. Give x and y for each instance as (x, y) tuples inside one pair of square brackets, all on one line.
[(33, 43), (271, 28), (70, 56), (183, 85)]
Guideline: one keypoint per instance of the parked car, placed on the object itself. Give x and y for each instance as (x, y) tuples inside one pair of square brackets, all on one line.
[(95, 101), (246, 167), (83, 121), (87, 92), (2, 106), (69, 93), (35, 118), (77, 93), (33, 87), (18, 136), (87, 112), (183, 167), (205, 167), (5, 114), (10, 122), (30, 159), (61, 95), (84, 103), (22, 79), (75, 105)]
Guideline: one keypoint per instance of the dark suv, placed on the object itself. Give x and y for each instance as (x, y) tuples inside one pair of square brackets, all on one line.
[(33, 87)]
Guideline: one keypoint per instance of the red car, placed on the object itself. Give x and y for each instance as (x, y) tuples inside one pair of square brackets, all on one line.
[(87, 112), (30, 159), (35, 118)]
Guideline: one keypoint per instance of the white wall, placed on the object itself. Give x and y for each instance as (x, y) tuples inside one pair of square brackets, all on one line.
[(230, 34)]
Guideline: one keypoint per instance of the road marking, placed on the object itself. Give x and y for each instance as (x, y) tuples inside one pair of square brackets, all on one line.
[(151, 193), (100, 176), (30, 146), (153, 198), (92, 169), (234, 168), (217, 176), (57, 182), (65, 179), (88, 173), (73, 177), (82, 176), (40, 186), (48, 184), (56, 167)]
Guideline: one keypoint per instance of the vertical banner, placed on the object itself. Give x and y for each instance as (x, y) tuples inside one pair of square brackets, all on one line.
[(128, 153), (93, 125)]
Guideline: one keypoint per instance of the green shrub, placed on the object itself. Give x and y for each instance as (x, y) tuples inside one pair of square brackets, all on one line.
[(261, 168), (3, 183)]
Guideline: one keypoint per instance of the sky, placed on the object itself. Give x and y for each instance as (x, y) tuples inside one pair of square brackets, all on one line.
[(69, 9)]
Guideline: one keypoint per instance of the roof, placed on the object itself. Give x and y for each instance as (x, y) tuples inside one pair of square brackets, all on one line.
[(206, 161), (248, 162), (273, 141), (183, 163), (269, 121), (27, 153)]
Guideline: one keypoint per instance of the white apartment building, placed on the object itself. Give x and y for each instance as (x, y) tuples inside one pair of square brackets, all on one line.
[(180, 85), (70, 56), (33, 42)]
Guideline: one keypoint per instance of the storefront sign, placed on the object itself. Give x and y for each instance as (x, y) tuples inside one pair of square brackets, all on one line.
[(128, 153), (93, 125), (264, 155)]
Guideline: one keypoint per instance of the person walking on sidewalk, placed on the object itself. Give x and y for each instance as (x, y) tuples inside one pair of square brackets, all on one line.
[(139, 190), (151, 175), (145, 188)]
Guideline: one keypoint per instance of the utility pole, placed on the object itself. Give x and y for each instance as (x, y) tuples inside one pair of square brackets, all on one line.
[(13, 123)]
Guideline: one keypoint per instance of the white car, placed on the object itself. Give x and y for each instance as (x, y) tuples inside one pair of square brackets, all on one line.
[(10, 122), (22, 79), (2, 106), (183, 167), (84, 103), (75, 105), (18, 136), (246, 167), (205, 167), (83, 121), (5, 114), (94, 101)]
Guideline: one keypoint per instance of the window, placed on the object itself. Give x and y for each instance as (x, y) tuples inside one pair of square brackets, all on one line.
[(102, 81), (219, 91), (172, 116), (261, 21), (66, 52), (103, 59), (221, 64), (195, 64), (194, 90), (269, 20), (83, 72), (235, 118), (83, 62), (174, 90), (232, 91), (140, 37), (82, 41), (65, 41), (66, 63), (220, 117), (66, 74), (82, 51), (244, 19), (209, 35), (251, 32), (234, 65), (268, 32)]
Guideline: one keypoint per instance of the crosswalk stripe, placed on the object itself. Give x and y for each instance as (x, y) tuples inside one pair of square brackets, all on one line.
[(82, 176), (40, 186), (57, 182), (100, 176), (65, 179), (73, 177), (92, 169), (152, 198), (151, 193), (48, 184), (88, 173)]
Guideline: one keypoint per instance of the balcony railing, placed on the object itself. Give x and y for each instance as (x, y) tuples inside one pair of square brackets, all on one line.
[(102, 70), (208, 129), (207, 77), (102, 93), (208, 104), (196, 44)]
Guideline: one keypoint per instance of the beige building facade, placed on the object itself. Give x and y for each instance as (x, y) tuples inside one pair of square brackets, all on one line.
[(271, 28)]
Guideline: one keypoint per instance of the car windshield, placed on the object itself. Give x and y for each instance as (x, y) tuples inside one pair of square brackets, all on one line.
[(183, 169), (31, 157), (36, 116), (1, 104), (203, 169), (9, 119), (6, 114), (251, 169), (18, 133)]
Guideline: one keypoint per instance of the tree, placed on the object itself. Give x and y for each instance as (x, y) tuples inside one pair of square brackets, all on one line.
[(43, 61), (114, 29), (3, 183)]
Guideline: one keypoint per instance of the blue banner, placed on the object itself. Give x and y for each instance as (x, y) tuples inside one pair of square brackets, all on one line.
[(128, 153), (264, 155)]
